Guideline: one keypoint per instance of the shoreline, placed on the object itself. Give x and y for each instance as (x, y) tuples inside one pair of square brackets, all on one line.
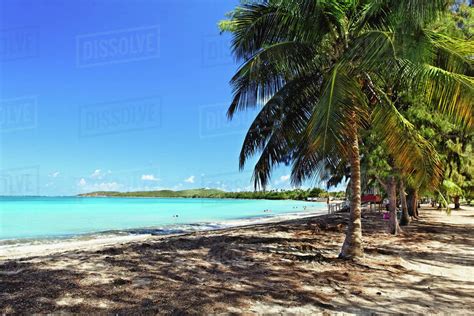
[(87, 216), (19, 248)]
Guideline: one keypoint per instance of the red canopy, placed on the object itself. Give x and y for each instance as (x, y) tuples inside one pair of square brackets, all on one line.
[(374, 198)]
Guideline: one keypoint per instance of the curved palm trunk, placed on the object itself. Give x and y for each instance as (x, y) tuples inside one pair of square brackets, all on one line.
[(352, 247), (405, 220), (413, 202), (392, 207)]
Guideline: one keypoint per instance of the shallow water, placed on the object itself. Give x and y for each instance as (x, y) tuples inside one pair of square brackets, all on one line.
[(53, 217)]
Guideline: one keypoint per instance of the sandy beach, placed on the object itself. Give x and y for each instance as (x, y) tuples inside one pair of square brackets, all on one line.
[(285, 267)]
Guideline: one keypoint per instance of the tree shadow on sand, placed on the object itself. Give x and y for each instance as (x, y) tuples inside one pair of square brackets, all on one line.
[(291, 264)]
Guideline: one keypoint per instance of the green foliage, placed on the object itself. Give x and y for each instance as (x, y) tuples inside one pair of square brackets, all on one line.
[(322, 71), (451, 188), (459, 23), (297, 194), (454, 143)]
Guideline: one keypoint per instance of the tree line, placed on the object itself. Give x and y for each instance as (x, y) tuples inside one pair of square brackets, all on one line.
[(296, 194)]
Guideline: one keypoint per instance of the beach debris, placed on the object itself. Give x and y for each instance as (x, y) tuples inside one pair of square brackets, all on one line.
[(11, 272), (112, 251), (121, 281), (230, 253), (11, 268)]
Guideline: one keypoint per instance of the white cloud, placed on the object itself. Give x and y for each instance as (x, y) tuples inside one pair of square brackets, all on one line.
[(55, 174), (189, 180), (103, 186), (149, 177), (282, 179), (97, 174), (106, 186)]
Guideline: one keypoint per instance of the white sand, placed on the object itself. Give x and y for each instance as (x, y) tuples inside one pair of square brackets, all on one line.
[(285, 268), (47, 248)]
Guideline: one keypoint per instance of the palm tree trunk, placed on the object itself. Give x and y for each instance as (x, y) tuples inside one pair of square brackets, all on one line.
[(392, 207), (410, 198), (457, 204), (405, 220), (415, 203), (352, 247)]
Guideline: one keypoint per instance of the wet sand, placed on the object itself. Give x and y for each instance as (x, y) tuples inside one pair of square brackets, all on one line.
[(286, 267)]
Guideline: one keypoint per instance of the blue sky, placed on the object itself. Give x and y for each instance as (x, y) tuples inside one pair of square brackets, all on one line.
[(117, 95)]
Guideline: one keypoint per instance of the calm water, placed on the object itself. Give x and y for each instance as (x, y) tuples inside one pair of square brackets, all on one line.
[(38, 217)]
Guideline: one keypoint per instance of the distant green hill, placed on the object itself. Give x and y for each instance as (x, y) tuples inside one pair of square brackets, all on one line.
[(193, 193), (296, 194)]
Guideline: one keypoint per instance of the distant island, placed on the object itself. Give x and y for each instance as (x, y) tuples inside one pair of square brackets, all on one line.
[(297, 194)]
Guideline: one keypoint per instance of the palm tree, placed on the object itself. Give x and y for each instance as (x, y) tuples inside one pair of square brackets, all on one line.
[(323, 70), (405, 219)]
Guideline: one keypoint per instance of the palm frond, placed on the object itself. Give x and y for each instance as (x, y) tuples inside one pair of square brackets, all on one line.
[(257, 25), (372, 15), (412, 154), (266, 72), (449, 92), (341, 99), (452, 54), (413, 14), (286, 113), (371, 50), (313, 165)]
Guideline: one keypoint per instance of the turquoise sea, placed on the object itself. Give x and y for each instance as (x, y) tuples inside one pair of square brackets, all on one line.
[(51, 217)]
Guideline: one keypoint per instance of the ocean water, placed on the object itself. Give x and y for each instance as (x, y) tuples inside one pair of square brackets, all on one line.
[(51, 217)]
